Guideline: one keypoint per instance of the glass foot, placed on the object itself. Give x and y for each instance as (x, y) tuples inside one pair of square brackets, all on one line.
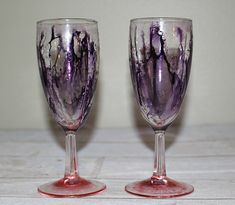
[(78, 187), (159, 188)]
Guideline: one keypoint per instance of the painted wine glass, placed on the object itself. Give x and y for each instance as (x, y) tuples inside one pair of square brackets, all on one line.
[(160, 52), (68, 59)]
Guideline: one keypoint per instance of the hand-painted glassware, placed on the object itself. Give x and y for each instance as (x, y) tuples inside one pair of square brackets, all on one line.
[(68, 58), (160, 61)]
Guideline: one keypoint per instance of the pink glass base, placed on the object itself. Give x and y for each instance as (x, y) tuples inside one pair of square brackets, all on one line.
[(164, 188), (78, 187)]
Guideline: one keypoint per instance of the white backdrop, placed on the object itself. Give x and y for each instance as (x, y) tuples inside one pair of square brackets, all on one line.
[(210, 95)]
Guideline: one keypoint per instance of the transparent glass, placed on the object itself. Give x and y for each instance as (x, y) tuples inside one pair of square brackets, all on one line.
[(160, 53), (68, 59)]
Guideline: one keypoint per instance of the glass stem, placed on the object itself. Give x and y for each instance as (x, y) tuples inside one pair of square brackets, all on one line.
[(159, 171), (71, 171)]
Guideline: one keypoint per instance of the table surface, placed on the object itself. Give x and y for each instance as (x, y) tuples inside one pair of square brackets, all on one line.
[(203, 156)]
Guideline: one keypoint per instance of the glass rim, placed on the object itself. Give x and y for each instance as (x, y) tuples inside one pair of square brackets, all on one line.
[(166, 19), (64, 21)]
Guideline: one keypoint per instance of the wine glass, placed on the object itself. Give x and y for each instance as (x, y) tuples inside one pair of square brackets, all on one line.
[(68, 58), (160, 52)]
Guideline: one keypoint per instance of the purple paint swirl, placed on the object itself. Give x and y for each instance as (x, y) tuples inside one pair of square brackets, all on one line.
[(160, 73), (68, 69)]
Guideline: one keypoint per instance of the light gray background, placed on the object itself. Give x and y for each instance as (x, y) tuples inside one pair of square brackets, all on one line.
[(210, 96)]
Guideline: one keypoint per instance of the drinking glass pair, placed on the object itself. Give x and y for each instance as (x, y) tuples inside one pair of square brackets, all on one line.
[(160, 51)]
